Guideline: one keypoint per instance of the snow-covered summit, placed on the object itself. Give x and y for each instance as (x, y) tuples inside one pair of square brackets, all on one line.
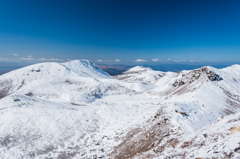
[(137, 69), (141, 74), (55, 70), (237, 66), (85, 67), (74, 81), (202, 74)]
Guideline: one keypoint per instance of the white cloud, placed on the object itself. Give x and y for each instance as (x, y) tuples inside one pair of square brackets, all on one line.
[(117, 60), (169, 59), (3, 58), (29, 56), (26, 58), (155, 60), (41, 59), (191, 61), (140, 60), (179, 61), (99, 60), (15, 54)]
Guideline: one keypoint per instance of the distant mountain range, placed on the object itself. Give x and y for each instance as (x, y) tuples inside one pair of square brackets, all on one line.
[(118, 69)]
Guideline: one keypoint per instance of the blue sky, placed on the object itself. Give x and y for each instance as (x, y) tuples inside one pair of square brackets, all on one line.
[(120, 31)]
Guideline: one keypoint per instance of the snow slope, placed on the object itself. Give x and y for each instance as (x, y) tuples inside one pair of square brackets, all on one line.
[(35, 128), (76, 110)]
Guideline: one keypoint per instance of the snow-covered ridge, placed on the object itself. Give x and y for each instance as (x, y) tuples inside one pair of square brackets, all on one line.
[(137, 69)]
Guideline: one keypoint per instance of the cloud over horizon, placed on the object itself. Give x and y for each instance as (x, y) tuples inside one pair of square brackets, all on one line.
[(41, 59), (140, 60), (155, 60)]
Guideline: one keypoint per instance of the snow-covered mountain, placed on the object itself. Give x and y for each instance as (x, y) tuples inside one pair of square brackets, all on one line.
[(75, 82), (204, 95), (76, 110), (141, 74)]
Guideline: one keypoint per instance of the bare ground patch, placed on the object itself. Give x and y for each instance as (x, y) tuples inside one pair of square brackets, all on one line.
[(29, 94), (78, 104), (235, 129), (5, 87), (232, 102), (142, 139)]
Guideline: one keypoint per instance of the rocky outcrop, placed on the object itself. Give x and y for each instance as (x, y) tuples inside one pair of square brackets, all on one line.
[(192, 76)]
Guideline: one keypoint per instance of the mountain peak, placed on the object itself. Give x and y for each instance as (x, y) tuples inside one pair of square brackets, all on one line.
[(138, 69), (141, 74), (76, 62), (201, 74), (86, 67)]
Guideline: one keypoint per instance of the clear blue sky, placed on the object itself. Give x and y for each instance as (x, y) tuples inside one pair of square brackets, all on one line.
[(198, 30)]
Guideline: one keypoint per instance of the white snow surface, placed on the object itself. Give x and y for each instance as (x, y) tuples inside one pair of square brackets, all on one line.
[(141, 74), (76, 110)]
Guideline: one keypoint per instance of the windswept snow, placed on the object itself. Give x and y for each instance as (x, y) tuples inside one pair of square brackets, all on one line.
[(76, 110)]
